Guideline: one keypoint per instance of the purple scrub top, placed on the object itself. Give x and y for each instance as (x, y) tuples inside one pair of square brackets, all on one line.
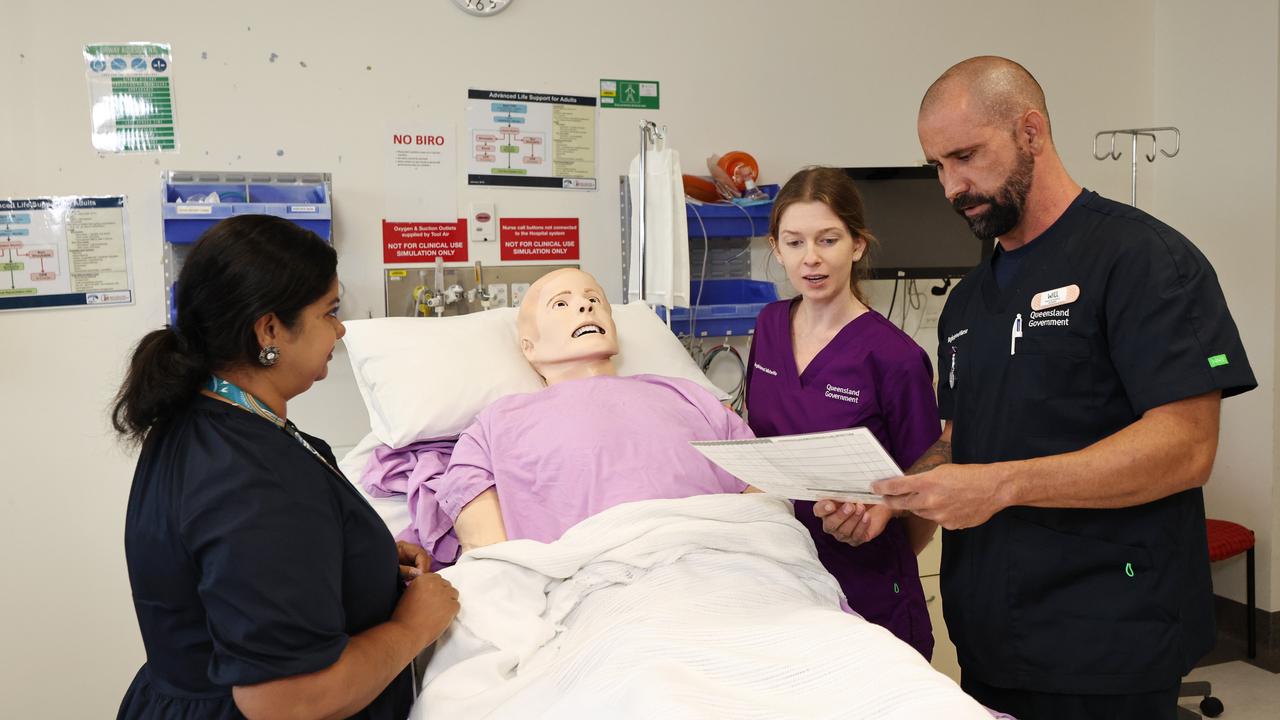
[(870, 375), (562, 454)]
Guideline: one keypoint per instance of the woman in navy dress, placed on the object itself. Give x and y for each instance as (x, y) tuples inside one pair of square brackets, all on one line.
[(264, 584), (825, 361)]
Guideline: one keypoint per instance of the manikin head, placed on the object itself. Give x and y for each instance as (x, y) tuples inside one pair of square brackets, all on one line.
[(566, 327)]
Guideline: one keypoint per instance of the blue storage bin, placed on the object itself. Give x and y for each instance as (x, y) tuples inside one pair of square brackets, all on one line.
[(728, 220), (186, 229), (727, 307), (303, 199), (187, 192), (304, 194)]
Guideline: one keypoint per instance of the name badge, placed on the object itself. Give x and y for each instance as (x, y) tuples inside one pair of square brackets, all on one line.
[(1054, 298)]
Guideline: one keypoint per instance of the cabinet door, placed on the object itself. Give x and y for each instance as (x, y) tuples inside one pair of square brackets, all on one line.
[(944, 653)]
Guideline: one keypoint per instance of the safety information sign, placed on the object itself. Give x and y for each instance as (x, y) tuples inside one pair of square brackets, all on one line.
[(64, 251), (539, 238), (525, 139), (635, 94), (131, 91), (422, 242), (421, 171)]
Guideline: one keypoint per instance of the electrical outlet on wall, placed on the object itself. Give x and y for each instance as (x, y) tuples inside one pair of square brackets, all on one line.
[(497, 295), (517, 293)]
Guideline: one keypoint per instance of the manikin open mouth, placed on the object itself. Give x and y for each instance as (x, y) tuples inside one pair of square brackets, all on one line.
[(588, 330)]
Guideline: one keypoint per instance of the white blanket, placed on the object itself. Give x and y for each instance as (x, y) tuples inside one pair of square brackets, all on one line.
[(705, 607)]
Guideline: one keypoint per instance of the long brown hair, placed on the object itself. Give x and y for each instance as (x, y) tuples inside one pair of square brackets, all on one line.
[(833, 188)]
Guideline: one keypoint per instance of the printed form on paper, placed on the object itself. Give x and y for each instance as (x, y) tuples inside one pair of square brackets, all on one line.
[(837, 465)]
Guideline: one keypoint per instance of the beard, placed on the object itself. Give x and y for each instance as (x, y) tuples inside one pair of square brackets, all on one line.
[(1004, 208)]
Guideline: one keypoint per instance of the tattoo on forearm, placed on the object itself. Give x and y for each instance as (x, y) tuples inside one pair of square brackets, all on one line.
[(938, 454)]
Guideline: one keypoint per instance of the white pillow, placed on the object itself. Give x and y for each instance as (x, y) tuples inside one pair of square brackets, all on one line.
[(425, 378)]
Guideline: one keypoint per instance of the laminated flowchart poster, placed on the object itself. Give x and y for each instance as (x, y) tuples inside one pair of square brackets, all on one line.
[(525, 139), (131, 96), (64, 251)]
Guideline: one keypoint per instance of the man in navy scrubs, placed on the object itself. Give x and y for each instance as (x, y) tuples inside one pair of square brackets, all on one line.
[(1080, 374)]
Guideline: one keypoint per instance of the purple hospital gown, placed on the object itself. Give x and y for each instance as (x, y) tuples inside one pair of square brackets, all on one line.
[(870, 375), (563, 454)]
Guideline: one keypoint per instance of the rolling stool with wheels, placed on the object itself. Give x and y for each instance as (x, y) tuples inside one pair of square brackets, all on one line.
[(1226, 539), (1210, 706)]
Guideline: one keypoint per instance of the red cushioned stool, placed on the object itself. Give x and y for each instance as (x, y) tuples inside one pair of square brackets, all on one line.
[(1227, 539)]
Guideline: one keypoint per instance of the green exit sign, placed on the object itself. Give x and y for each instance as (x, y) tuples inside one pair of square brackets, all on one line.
[(637, 94)]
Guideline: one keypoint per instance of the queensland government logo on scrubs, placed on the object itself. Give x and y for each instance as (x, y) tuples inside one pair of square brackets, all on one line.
[(1060, 316), (836, 392)]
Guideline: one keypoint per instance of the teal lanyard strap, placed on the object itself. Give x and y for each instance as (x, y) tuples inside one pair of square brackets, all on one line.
[(230, 392)]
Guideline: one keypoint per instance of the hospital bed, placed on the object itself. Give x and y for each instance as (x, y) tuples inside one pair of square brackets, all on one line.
[(509, 649)]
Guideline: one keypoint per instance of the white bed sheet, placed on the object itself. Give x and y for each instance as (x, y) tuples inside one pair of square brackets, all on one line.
[(704, 607), (394, 513)]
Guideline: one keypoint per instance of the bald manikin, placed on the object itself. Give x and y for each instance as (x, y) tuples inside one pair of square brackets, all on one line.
[(566, 332), (566, 327)]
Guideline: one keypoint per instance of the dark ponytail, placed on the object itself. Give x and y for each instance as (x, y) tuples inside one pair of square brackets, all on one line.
[(240, 270), (163, 376)]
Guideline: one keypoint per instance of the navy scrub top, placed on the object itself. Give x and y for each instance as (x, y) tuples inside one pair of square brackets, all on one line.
[(1082, 600), (249, 561)]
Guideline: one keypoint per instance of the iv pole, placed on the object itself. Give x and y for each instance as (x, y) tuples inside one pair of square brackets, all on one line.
[(1135, 133)]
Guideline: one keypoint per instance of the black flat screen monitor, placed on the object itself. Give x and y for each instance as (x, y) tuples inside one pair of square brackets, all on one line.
[(920, 234)]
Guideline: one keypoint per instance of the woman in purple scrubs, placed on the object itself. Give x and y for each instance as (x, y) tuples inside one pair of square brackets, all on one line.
[(825, 361)]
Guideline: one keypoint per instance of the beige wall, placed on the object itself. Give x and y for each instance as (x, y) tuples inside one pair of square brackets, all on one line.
[(1216, 78), (832, 81)]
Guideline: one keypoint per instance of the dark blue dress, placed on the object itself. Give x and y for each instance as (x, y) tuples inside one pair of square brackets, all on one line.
[(249, 561)]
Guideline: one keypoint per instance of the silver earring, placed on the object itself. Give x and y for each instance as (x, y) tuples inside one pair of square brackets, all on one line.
[(269, 355)]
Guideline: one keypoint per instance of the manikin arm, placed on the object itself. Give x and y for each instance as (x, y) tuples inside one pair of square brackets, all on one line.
[(480, 522)]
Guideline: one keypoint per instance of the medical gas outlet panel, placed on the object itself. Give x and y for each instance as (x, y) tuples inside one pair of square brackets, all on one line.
[(445, 291)]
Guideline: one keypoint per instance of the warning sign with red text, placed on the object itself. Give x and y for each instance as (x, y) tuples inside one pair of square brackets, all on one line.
[(423, 242), (539, 238)]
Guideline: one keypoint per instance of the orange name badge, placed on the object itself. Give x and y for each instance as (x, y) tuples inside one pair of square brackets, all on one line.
[(1054, 298)]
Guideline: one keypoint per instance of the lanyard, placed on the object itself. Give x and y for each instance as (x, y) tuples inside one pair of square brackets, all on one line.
[(233, 394)]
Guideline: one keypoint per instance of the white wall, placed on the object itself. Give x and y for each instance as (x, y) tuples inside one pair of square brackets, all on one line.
[(830, 81), (1216, 78)]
